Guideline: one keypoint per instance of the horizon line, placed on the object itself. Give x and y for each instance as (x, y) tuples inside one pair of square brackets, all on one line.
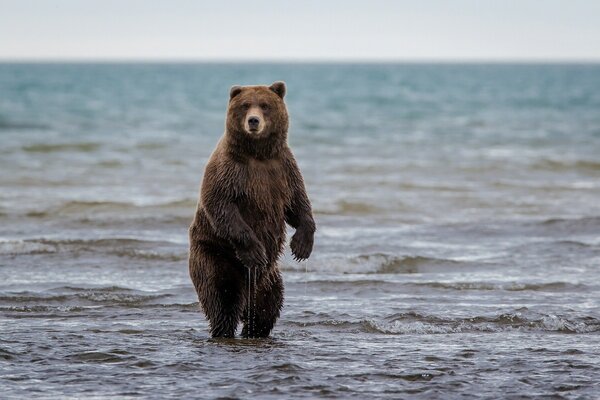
[(307, 60)]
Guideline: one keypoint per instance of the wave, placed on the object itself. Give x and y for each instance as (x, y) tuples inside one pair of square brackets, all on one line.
[(383, 285), (114, 356), (50, 311), (41, 246), (110, 164), (73, 207), (151, 255), (142, 221), (152, 145), (112, 295), (103, 242), (546, 324), (42, 309), (345, 207), (558, 165), (359, 283), (158, 250), (7, 355), (582, 225), (505, 286), (382, 263), (572, 243), (413, 264), (12, 126), (418, 324), (82, 147), (411, 377), (584, 221), (16, 247), (85, 207)]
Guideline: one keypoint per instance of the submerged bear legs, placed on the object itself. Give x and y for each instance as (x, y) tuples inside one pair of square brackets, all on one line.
[(219, 284), (264, 302), (230, 293), (224, 308)]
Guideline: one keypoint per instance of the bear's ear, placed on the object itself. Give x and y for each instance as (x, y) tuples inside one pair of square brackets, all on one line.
[(278, 88), (234, 91)]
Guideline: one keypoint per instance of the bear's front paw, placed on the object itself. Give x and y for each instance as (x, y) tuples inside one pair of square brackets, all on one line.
[(253, 256), (302, 244)]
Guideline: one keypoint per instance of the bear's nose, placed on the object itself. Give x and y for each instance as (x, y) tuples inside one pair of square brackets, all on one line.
[(253, 121)]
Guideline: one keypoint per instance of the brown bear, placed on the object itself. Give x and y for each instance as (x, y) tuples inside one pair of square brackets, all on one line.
[(251, 188)]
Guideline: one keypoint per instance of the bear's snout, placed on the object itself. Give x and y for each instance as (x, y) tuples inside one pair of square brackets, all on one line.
[(253, 123)]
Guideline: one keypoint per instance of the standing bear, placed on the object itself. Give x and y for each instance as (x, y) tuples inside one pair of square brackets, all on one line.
[(252, 186)]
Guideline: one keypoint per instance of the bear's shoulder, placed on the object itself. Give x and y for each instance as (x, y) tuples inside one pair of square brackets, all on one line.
[(223, 174)]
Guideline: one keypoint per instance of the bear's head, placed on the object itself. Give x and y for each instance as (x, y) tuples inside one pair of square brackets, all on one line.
[(258, 112)]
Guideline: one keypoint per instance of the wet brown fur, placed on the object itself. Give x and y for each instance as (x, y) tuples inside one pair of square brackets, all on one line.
[(251, 188)]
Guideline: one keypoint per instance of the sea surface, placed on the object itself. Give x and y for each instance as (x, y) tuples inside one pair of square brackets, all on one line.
[(457, 252)]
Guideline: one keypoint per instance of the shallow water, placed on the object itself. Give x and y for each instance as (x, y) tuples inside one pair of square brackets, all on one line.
[(457, 252)]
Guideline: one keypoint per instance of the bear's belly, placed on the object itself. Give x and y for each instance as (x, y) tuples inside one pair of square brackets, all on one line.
[(268, 224), (263, 205)]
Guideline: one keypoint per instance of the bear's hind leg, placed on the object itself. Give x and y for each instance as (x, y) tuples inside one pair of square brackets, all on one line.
[(260, 316), (219, 284), (224, 314)]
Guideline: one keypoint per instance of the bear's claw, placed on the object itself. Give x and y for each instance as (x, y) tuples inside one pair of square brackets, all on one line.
[(301, 245), (253, 256)]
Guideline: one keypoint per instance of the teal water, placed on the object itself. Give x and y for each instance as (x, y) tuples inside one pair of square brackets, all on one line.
[(457, 252)]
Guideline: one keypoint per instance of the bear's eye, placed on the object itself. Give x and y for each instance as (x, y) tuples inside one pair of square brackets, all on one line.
[(246, 106), (264, 106)]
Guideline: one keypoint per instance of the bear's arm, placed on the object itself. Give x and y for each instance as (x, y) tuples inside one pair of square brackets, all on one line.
[(218, 201), (298, 213)]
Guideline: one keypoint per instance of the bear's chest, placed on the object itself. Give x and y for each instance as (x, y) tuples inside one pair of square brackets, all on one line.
[(266, 186)]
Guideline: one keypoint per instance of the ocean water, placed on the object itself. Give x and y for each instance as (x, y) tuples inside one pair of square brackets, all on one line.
[(457, 252)]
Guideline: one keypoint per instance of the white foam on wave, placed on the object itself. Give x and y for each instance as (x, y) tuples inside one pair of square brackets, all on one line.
[(411, 327), (8, 246), (548, 323), (378, 263), (555, 323)]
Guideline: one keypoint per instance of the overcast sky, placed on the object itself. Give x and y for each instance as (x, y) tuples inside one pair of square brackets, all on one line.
[(399, 30)]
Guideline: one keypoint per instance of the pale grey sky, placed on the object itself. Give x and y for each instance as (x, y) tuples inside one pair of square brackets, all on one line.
[(401, 30)]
